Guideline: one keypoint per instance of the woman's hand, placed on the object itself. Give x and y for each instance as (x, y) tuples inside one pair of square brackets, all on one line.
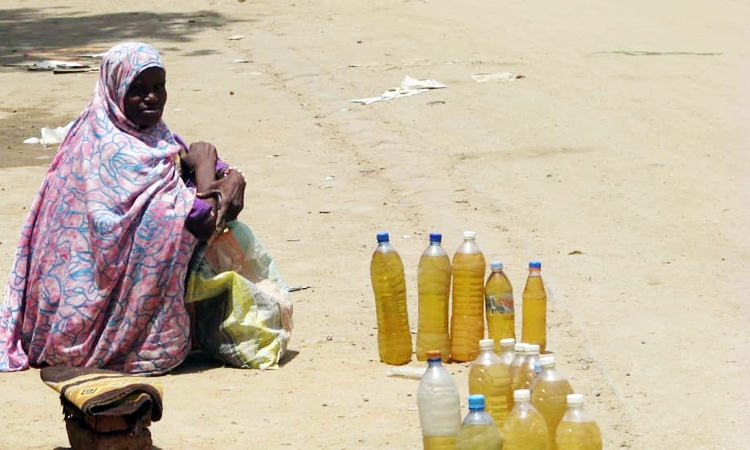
[(200, 158), (231, 194)]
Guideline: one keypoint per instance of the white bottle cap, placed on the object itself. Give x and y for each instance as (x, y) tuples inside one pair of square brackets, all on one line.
[(507, 343), (575, 399), (532, 349), (547, 361), (520, 395), (487, 344), (520, 347), (470, 234), (496, 265)]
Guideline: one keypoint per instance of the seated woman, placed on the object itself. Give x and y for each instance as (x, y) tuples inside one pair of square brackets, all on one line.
[(129, 231)]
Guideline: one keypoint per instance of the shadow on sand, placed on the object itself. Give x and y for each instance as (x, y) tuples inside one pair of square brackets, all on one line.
[(198, 362), (39, 30)]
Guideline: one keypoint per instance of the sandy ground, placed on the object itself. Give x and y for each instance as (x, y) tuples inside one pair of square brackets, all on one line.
[(624, 172)]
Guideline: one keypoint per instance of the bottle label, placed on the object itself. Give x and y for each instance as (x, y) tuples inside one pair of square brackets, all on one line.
[(499, 304)]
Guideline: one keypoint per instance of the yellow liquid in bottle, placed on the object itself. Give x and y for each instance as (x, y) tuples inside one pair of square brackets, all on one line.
[(498, 304), (578, 436), (525, 374), (479, 437), (525, 431), (549, 398), (494, 383), (389, 286), (439, 442), (434, 284), (467, 320), (534, 320)]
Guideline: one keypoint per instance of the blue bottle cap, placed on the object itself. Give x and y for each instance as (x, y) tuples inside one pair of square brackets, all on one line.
[(476, 402), (535, 265), (496, 265), (383, 237), (436, 237)]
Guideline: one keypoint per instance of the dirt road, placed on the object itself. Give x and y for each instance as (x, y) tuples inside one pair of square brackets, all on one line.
[(619, 160)]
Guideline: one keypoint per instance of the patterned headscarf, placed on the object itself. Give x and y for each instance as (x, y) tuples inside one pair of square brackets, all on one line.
[(99, 270)]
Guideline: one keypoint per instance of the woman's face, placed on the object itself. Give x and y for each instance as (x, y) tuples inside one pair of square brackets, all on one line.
[(146, 97)]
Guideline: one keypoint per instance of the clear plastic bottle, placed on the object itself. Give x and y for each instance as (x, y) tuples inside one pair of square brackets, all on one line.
[(434, 286), (576, 430), (439, 405), (526, 373), (520, 355), (549, 394), (467, 320), (524, 429), (498, 304), (518, 360), (534, 316), (489, 376), (389, 286), (478, 430), (506, 350)]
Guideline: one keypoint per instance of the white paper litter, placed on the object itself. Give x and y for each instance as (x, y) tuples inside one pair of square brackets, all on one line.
[(409, 86), (50, 136), (236, 37), (51, 64), (503, 76)]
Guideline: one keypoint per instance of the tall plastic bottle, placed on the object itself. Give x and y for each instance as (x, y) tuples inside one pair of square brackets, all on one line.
[(506, 350), (526, 373), (434, 286), (518, 360), (498, 304), (577, 431), (467, 320), (524, 429), (439, 405), (478, 430), (389, 286), (549, 394), (489, 376), (534, 320)]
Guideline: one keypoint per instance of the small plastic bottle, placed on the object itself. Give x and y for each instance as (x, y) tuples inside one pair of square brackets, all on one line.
[(526, 373), (534, 316), (478, 430), (549, 394), (524, 429), (489, 376), (506, 351), (467, 320), (389, 286), (439, 405), (434, 287), (498, 304), (576, 430)]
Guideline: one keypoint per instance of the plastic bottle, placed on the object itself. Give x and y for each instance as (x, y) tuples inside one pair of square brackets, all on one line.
[(524, 429), (525, 375), (434, 286), (549, 396), (576, 430), (467, 321), (439, 405), (478, 430), (498, 304), (489, 376), (518, 359), (506, 352), (389, 286), (534, 320)]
